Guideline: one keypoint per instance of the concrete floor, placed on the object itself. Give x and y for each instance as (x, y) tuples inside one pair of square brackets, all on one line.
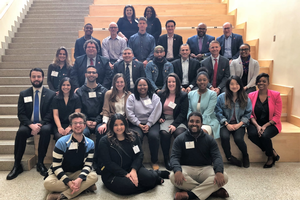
[(278, 183)]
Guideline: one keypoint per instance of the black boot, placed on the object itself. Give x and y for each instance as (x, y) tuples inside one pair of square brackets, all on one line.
[(167, 163)]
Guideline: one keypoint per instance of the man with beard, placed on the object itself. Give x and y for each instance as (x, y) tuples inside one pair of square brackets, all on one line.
[(193, 153), (79, 50), (92, 98), (35, 117), (158, 69), (199, 43), (186, 69)]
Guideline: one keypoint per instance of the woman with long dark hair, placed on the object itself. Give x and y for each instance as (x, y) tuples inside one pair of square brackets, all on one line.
[(153, 23), (233, 111), (143, 109), (59, 69), (128, 24), (173, 118), (122, 156), (265, 118), (64, 104)]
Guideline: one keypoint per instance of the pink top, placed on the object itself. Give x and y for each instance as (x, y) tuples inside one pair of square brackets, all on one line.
[(166, 109), (275, 106)]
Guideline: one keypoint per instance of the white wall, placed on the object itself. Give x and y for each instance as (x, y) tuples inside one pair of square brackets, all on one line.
[(266, 18)]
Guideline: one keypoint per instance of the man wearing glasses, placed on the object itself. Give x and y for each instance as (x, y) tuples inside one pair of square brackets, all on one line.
[(230, 43), (71, 171), (113, 45), (91, 59)]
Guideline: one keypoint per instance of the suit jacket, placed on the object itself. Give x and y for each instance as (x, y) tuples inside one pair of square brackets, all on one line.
[(177, 42), (223, 72), (102, 66), (137, 70), (194, 44), (79, 51), (236, 42), (275, 106), (25, 109), (194, 65)]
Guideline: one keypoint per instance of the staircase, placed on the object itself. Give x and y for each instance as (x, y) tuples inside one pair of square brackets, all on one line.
[(47, 26)]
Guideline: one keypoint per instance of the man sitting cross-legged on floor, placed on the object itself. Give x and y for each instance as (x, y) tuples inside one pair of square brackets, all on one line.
[(70, 173), (193, 153)]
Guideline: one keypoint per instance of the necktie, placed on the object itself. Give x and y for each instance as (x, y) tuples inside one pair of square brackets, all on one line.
[(200, 44), (127, 76), (215, 73), (36, 108), (91, 62)]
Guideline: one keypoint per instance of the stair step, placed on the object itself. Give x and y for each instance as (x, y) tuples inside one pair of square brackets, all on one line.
[(52, 24), (8, 133), (32, 51), (49, 29), (17, 80), (45, 39), (9, 121), (40, 57), (7, 147), (16, 72), (14, 89), (66, 5), (58, 16), (47, 34), (53, 44), (8, 109), (56, 8), (25, 65), (8, 99), (7, 162), (46, 12), (47, 20)]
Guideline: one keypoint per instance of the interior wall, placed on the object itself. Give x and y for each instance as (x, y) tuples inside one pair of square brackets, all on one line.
[(266, 19)]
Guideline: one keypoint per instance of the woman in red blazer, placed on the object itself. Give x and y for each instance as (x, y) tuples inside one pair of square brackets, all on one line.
[(265, 118)]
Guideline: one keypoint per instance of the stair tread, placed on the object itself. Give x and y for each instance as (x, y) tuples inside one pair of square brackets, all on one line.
[(9, 128), (10, 157)]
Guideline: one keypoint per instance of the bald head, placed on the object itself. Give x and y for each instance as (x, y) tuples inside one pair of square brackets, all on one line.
[(201, 29), (113, 29), (227, 29)]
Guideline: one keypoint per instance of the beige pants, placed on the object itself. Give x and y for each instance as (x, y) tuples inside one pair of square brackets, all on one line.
[(199, 180), (52, 184)]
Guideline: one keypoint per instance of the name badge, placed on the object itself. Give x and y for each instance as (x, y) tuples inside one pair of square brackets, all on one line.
[(74, 145), (147, 102), (136, 149), (92, 95), (172, 105), (27, 99), (189, 145), (54, 73)]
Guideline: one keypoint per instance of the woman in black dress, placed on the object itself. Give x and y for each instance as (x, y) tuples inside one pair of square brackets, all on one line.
[(128, 24), (154, 25)]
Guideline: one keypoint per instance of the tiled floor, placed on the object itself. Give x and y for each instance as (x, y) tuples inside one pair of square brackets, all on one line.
[(278, 183)]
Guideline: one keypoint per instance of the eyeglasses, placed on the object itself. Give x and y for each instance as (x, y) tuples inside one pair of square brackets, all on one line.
[(226, 28), (113, 27), (244, 49), (78, 123), (91, 72), (91, 47), (159, 51)]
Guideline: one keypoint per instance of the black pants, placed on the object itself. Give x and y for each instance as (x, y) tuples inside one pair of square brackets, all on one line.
[(148, 179), (165, 140), (57, 135), (238, 136), (153, 139), (23, 133), (264, 142)]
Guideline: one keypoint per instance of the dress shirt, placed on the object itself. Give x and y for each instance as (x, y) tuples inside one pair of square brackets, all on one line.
[(88, 62), (130, 72), (113, 48), (227, 52), (213, 60), (40, 95), (185, 71), (143, 46), (120, 104), (170, 47)]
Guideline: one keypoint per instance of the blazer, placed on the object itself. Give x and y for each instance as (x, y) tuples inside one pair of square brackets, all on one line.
[(25, 109), (222, 74), (181, 109), (50, 79), (137, 70), (177, 42), (102, 66), (194, 44), (79, 51), (236, 42), (236, 68), (194, 65), (275, 106)]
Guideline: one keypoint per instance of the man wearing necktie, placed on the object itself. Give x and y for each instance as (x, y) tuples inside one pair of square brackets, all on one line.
[(218, 68), (35, 117)]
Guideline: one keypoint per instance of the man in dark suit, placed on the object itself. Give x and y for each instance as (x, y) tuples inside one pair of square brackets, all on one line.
[(230, 43), (199, 43), (35, 117), (79, 50), (218, 68), (135, 68), (186, 68), (91, 59), (170, 41)]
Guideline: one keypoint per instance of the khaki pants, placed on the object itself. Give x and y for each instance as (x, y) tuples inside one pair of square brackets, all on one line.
[(52, 184), (199, 180)]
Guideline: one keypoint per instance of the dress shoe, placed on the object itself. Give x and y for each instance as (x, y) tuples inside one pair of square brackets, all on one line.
[(14, 172), (276, 158), (40, 167), (221, 193), (246, 162), (92, 188), (181, 196), (234, 161), (167, 164), (270, 165)]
